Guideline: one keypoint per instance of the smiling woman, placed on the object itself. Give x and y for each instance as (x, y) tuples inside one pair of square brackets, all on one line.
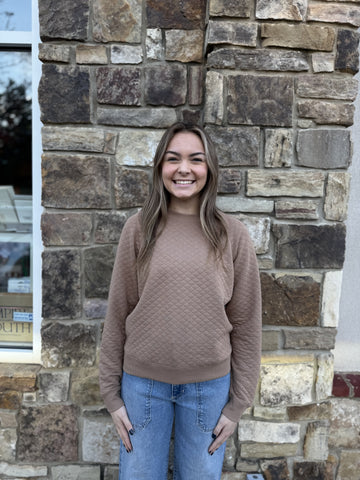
[(184, 172)]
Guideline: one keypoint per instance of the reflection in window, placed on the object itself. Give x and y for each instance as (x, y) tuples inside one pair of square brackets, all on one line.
[(15, 198), (15, 15)]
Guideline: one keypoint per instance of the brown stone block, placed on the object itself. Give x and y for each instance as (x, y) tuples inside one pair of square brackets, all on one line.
[(66, 229), (119, 85), (131, 188), (48, 434), (61, 284), (275, 470), (64, 94), (310, 246), (308, 37), (196, 77), (20, 378), (236, 146), (290, 300), (230, 8), (66, 19), (85, 388), (349, 14), (165, 85), (187, 14), (75, 181), (117, 21), (184, 45), (318, 411), (326, 113), (99, 262), (347, 51), (108, 226), (313, 471), (10, 400), (229, 181), (261, 100), (68, 345)]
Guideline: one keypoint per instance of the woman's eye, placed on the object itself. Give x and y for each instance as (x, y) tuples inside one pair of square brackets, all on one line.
[(172, 159), (197, 160)]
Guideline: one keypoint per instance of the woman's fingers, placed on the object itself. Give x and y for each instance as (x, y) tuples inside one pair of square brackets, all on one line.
[(123, 426), (223, 430)]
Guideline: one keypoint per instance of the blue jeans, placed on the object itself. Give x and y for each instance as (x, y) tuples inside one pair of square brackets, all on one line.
[(153, 407)]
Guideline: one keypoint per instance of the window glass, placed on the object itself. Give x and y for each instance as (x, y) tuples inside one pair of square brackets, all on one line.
[(15, 15), (15, 199)]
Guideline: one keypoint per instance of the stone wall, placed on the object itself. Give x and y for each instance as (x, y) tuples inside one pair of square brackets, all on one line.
[(273, 83)]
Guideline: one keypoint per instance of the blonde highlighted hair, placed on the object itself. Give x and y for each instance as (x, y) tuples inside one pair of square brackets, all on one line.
[(155, 209)]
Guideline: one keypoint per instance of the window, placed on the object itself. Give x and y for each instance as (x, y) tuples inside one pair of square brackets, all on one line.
[(20, 269)]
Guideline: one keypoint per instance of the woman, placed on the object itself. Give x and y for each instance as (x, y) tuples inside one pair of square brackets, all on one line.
[(181, 341)]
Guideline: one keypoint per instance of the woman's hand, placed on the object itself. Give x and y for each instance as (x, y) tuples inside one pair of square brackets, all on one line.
[(123, 426), (223, 430)]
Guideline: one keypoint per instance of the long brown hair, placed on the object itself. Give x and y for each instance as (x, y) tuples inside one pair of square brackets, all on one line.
[(155, 209)]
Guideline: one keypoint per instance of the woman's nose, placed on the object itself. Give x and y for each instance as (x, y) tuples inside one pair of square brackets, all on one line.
[(184, 167)]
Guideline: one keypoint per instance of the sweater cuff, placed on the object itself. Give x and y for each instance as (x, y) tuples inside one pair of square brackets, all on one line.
[(234, 409), (113, 404)]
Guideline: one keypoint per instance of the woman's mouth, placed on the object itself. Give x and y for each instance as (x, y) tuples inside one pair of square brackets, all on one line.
[(183, 182)]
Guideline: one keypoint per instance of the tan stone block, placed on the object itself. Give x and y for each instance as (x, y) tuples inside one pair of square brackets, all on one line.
[(131, 54), (235, 203), (308, 37), (91, 54), (214, 106), (184, 45), (96, 140), (153, 44), (196, 74), (75, 472), (294, 184), (143, 146), (323, 62), (117, 21), (21, 378), (316, 441), (268, 432), (259, 230), (8, 438), (344, 423), (25, 471), (337, 196), (270, 340), (263, 450), (100, 441), (281, 9), (321, 86), (278, 148), (331, 298), (269, 413), (286, 380), (8, 419), (347, 14), (349, 465)]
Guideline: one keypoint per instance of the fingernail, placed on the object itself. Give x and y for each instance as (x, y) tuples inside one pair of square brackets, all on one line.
[(213, 436), (132, 431), (211, 453)]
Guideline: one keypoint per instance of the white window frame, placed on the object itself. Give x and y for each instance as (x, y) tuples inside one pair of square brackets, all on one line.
[(32, 39)]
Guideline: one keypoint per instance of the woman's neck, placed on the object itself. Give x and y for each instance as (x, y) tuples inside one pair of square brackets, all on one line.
[(191, 207)]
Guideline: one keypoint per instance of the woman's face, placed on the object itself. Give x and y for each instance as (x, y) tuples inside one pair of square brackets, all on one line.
[(184, 169)]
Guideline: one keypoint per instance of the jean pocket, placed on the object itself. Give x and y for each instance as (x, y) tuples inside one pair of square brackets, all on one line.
[(212, 396), (136, 393)]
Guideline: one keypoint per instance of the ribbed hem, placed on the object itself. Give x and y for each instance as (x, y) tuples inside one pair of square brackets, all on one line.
[(175, 376)]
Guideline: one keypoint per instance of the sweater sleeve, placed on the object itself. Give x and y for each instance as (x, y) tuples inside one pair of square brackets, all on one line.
[(123, 297), (244, 313)]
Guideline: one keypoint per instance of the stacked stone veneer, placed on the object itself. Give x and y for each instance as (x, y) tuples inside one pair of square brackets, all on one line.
[(273, 82)]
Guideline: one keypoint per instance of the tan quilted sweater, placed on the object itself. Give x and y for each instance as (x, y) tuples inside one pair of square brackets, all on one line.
[(192, 319)]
